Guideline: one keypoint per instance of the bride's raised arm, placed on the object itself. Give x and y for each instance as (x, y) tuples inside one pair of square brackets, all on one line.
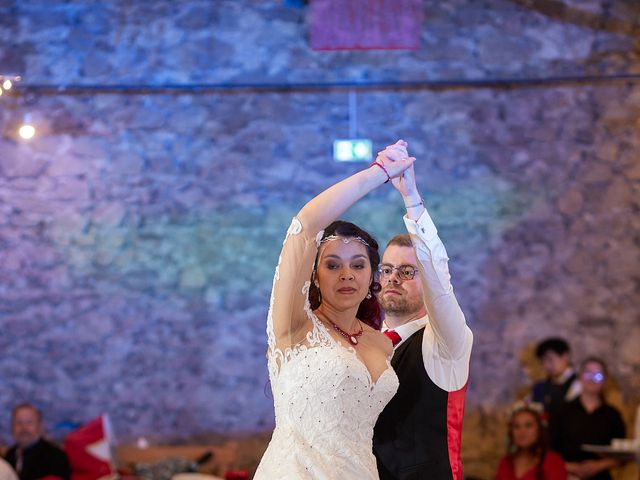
[(288, 322)]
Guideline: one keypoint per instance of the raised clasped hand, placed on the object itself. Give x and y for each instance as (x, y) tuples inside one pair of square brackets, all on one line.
[(395, 159), (405, 179)]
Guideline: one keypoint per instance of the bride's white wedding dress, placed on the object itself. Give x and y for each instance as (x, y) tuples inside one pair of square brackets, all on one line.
[(326, 402)]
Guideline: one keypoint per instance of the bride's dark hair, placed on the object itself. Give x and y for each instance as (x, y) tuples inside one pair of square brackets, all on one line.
[(369, 310)]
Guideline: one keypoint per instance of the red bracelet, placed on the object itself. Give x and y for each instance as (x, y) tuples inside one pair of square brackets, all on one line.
[(383, 169)]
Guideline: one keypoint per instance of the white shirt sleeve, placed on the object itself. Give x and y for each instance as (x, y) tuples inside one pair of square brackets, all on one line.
[(447, 341)]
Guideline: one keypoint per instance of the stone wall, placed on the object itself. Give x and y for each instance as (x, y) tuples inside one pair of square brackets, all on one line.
[(139, 229)]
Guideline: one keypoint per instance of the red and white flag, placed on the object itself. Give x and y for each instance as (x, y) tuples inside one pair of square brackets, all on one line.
[(89, 450)]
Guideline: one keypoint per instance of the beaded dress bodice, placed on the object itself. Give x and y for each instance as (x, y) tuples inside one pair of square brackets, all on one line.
[(326, 403)]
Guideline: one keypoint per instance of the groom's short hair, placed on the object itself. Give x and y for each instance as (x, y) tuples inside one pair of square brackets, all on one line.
[(402, 240)]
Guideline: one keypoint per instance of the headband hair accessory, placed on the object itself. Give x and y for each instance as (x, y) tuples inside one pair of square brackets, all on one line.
[(535, 407), (527, 405), (345, 240)]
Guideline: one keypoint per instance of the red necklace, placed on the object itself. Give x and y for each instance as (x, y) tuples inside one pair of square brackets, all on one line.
[(351, 337)]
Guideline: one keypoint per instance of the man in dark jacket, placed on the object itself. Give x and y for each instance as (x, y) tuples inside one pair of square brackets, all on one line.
[(561, 384), (32, 456)]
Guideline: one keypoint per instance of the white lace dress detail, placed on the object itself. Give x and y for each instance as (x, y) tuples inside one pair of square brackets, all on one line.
[(326, 405)]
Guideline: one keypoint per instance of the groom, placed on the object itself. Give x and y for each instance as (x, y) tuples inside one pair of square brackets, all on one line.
[(418, 434)]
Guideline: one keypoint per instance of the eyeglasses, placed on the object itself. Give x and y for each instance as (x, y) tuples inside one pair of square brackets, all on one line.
[(595, 377), (405, 272)]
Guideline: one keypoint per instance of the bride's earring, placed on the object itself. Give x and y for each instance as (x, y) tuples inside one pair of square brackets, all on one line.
[(317, 285), (369, 294)]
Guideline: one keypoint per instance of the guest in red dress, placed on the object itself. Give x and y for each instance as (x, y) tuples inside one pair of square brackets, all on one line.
[(529, 457)]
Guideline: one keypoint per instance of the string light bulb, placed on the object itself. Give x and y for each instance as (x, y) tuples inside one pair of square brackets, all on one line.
[(27, 131), (7, 82)]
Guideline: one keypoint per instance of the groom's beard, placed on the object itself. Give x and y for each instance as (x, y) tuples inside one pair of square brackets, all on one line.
[(399, 304)]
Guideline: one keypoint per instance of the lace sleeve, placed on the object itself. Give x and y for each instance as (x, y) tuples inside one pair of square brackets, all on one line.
[(287, 318)]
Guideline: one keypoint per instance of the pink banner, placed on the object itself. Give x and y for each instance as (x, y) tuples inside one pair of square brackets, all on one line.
[(366, 24)]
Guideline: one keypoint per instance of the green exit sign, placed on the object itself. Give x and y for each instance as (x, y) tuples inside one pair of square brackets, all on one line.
[(352, 150)]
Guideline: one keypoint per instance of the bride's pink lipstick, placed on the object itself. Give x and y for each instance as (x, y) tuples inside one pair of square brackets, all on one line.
[(347, 290)]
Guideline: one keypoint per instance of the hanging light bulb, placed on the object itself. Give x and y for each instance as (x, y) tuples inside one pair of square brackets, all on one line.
[(27, 131), (7, 82)]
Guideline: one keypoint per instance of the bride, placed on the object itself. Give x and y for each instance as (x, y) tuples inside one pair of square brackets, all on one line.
[(328, 362)]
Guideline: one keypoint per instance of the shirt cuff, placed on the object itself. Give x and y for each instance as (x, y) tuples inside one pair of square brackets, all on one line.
[(423, 227)]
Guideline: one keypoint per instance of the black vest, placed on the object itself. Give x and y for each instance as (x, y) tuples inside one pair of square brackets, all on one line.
[(411, 436), (552, 395)]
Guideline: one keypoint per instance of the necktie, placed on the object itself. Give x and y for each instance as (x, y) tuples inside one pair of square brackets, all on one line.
[(393, 336), (19, 460)]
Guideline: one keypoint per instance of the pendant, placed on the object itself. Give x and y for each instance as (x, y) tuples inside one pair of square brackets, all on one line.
[(353, 340)]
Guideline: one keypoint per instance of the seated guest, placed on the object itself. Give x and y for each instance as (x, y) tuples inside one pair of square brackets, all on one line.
[(32, 456), (529, 457), (587, 420), (561, 384), (6, 472)]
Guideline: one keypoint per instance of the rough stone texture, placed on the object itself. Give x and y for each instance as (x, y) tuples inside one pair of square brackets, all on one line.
[(139, 232)]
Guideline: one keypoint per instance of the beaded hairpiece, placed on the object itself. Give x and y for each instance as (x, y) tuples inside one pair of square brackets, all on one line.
[(345, 240), (535, 407), (527, 405)]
